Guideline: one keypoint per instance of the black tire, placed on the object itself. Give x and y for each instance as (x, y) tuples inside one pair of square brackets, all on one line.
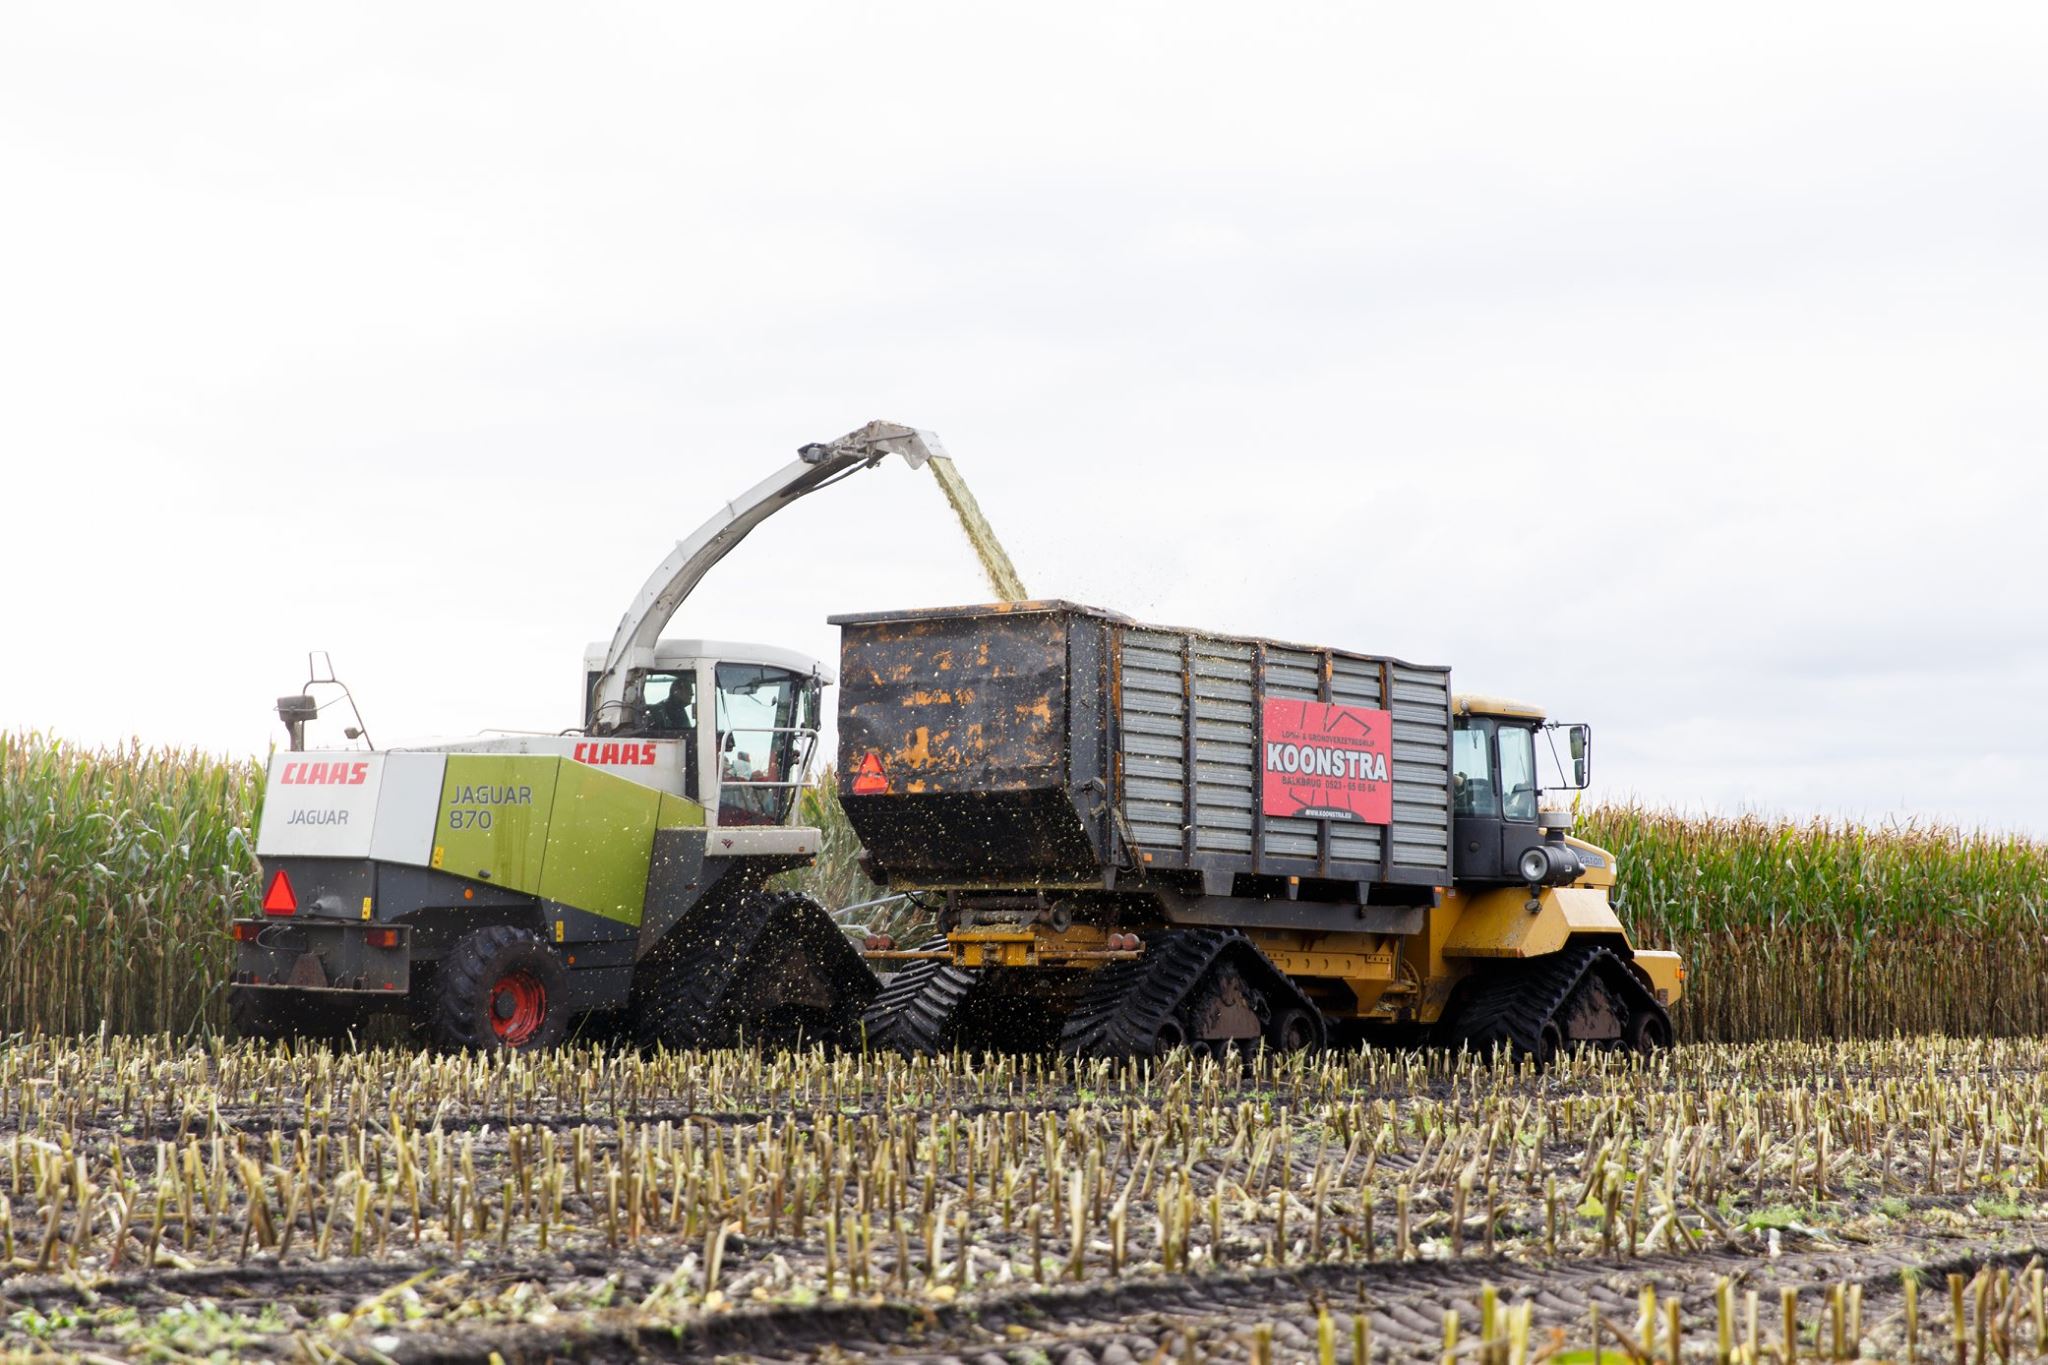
[(769, 968), (292, 1016), (501, 988)]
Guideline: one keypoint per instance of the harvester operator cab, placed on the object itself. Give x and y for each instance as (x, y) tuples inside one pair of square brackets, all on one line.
[(745, 715), (1500, 831)]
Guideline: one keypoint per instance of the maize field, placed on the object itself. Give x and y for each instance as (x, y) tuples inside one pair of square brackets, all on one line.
[(119, 870)]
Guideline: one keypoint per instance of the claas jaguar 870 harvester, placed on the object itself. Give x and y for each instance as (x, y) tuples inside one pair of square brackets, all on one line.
[(500, 889), (1137, 838)]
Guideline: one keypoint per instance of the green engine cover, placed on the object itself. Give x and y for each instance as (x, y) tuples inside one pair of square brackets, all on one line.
[(553, 828)]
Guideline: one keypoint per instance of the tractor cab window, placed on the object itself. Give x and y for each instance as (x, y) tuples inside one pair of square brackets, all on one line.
[(1472, 770), (670, 700), (767, 721), (1518, 773)]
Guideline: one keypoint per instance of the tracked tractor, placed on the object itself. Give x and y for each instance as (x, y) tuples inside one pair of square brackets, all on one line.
[(499, 891), (1136, 838)]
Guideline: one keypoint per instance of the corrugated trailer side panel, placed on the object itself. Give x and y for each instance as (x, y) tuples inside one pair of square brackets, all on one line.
[(1421, 832), (1226, 731), (1152, 709), (1189, 709)]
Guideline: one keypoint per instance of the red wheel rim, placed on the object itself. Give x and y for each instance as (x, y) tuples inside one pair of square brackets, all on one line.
[(519, 1002)]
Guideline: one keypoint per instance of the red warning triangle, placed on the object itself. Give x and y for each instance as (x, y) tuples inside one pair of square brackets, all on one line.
[(869, 780), (279, 900)]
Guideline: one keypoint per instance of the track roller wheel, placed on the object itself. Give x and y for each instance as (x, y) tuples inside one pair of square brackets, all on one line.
[(1294, 1030), (1168, 1036), (501, 988), (1649, 1030)]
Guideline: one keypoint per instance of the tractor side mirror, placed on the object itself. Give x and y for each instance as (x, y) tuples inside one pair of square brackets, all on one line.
[(1581, 740)]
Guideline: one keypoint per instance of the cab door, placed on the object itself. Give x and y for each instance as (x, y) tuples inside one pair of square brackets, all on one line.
[(1514, 755), (1493, 797)]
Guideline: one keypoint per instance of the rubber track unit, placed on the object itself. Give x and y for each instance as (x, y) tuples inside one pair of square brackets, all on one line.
[(704, 986), (1124, 1004), (1511, 1005), (913, 1012)]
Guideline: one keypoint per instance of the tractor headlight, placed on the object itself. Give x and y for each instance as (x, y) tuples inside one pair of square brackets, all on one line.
[(1549, 865)]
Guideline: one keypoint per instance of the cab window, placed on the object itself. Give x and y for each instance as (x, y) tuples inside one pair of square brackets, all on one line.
[(766, 723), (1472, 770), (1518, 773), (670, 700)]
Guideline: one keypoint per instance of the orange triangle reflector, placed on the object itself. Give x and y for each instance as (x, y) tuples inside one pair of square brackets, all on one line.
[(279, 899), (869, 780)]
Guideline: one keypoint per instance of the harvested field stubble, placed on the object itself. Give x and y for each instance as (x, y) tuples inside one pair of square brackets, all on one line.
[(415, 1206)]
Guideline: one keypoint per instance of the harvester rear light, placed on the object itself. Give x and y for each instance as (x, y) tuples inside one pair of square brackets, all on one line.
[(879, 943), (382, 938), (247, 931), (280, 899)]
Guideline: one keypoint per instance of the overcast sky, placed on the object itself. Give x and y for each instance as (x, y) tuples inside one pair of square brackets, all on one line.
[(1678, 369)]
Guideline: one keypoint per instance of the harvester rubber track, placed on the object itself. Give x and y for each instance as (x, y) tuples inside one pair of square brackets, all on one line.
[(771, 967), (1125, 1005), (913, 1012), (1512, 1005)]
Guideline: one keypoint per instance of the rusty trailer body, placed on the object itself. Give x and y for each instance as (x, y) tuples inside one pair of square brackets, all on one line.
[(1064, 747), (1263, 840)]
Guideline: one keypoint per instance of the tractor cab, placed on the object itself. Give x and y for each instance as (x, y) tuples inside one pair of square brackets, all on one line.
[(743, 718), (1500, 831)]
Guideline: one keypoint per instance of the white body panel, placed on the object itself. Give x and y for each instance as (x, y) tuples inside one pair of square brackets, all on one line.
[(407, 809), (321, 805), (351, 803), (762, 841)]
